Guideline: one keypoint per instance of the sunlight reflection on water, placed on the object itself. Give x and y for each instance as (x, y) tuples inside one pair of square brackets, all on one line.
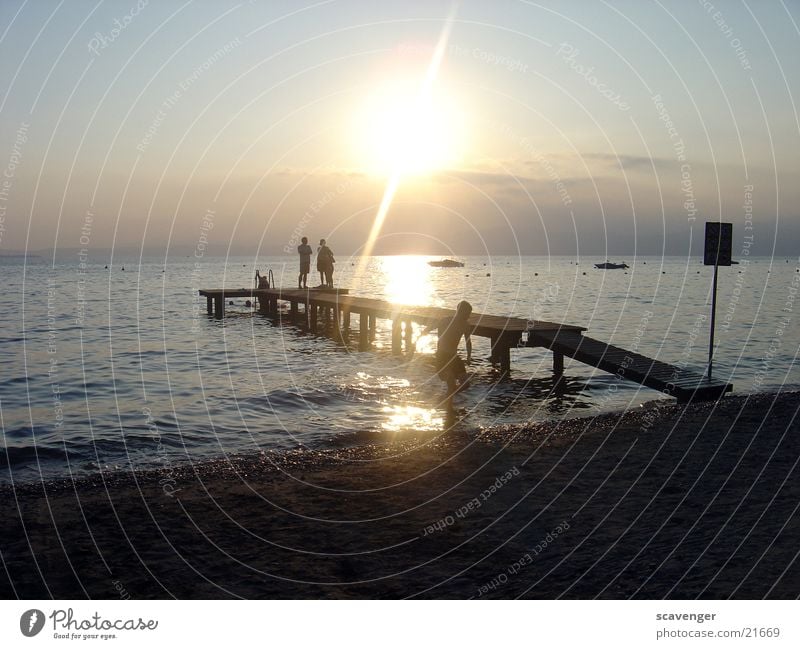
[(408, 280), (399, 418)]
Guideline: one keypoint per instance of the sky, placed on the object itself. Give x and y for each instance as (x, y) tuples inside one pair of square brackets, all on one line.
[(508, 127)]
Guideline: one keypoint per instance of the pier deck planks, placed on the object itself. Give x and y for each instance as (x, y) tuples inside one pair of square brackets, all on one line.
[(504, 331)]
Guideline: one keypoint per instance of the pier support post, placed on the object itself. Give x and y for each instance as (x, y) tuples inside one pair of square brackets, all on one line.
[(494, 356), (313, 318), (363, 332), (372, 328), (409, 334), (501, 351), (346, 319), (263, 305), (219, 307), (397, 337), (336, 332), (293, 310), (558, 364), (208, 304), (505, 358)]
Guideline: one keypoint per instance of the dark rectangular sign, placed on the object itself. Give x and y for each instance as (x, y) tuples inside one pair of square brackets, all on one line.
[(719, 243)]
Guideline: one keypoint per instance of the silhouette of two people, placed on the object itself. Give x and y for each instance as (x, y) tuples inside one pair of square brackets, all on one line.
[(325, 262)]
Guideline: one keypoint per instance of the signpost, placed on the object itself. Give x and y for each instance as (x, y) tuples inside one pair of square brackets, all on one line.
[(718, 248)]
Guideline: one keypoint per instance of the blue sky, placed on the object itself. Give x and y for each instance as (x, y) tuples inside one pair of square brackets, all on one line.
[(541, 134)]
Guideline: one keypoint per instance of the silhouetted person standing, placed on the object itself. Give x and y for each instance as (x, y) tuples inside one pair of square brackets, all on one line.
[(305, 252), (325, 262)]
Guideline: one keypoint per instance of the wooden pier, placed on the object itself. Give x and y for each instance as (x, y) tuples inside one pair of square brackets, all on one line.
[(331, 310)]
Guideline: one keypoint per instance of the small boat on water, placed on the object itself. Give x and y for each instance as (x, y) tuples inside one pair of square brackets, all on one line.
[(446, 263), (608, 265)]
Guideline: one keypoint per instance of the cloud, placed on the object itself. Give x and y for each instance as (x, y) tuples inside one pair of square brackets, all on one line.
[(321, 172), (631, 162), (480, 177)]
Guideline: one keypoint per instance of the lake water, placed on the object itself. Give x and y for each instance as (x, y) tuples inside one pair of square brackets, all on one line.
[(105, 368)]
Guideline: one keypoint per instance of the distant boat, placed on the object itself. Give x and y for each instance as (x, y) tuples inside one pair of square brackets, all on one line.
[(446, 263), (610, 265)]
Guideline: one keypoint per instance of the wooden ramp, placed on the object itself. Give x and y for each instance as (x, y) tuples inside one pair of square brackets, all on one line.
[(672, 380)]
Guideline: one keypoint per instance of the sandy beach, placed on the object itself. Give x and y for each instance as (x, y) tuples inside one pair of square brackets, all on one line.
[(664, 501)]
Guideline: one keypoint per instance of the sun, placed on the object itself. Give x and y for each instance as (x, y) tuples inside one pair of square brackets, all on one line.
[(404, 128)]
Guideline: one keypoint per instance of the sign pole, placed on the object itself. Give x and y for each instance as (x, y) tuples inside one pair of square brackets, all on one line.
[(718, 248), (713, 318)]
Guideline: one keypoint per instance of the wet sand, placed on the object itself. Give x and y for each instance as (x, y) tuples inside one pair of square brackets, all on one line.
[(664, 501)]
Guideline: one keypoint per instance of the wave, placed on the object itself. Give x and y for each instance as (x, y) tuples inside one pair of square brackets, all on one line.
[(20, 455), (295, 398)]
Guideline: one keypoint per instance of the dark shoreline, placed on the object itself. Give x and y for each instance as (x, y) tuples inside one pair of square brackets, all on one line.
[(365, 450), (665, 501)]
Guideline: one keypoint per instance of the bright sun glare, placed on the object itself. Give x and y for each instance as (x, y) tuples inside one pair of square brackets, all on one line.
[(407, 280), (412, 114), (403, 130)]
